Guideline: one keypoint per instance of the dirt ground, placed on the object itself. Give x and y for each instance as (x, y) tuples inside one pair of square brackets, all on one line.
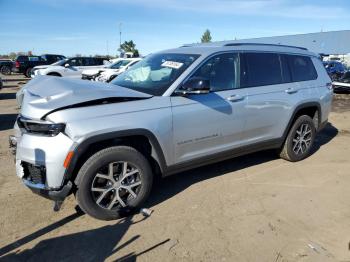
[(252, 208)]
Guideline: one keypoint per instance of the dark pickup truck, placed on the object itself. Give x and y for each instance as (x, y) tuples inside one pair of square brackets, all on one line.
[(24, 63), (5, 66)]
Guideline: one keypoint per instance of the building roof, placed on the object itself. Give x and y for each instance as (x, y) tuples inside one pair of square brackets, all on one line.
[(332, 42)]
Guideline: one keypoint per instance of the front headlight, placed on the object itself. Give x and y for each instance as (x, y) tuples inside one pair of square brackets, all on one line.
[(40, 127)]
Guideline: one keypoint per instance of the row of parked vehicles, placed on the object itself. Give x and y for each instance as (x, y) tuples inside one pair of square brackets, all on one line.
[(89, 68)]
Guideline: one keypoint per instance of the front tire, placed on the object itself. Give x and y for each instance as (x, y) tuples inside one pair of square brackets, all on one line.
[(5, 70), (113, 182), (300, 139)]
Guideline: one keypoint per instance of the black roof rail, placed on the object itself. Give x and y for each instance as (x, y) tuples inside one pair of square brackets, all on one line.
[(263, 44)]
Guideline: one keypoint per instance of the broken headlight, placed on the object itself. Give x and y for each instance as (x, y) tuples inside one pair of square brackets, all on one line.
[(40, 127)]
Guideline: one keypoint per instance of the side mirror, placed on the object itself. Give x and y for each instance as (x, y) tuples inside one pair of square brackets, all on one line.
[(66, 65), (194, 85)]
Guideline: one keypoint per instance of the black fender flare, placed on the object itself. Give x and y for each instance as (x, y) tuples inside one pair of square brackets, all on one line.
[(157, 152), (295, 112)]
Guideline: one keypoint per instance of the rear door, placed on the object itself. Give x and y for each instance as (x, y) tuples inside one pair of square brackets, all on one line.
[(270, 94)]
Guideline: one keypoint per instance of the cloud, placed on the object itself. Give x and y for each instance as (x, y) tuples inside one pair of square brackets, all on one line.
[(275, 8)]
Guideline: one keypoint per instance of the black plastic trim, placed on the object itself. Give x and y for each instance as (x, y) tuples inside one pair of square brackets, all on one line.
[(297, 109), (270, 144), (157, 151), (55, 195)]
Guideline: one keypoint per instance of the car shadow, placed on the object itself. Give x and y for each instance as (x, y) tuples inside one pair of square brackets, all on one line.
[(7, 121), (170, 186), (90, 245), (7, 96), (324, 137)]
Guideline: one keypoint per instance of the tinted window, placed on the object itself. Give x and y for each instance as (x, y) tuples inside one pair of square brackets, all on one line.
[(96, 61), (33, 58), (89, 61), (221, 71), (75, 62), (22, 58), (261, 69), (302, 68)]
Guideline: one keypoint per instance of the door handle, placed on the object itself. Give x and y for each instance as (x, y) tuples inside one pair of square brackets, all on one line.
[(235, 98), (291, 90)]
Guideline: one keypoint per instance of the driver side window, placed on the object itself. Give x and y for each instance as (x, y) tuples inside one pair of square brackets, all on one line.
[(221, 71)]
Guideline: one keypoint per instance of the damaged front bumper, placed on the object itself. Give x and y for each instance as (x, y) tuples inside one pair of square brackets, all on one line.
[(55, 195)]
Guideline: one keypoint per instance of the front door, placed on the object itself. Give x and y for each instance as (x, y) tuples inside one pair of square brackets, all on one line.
[(206, 124)]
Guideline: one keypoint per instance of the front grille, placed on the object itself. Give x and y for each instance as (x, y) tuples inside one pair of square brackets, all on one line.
[(34, 173)]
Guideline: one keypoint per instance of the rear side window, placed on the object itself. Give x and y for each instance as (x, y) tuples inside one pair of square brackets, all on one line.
[(34, 58), (301, 68), (261, 69)]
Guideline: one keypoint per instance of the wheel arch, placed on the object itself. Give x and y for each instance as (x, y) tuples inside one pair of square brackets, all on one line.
[(141, 139), (312, 109)]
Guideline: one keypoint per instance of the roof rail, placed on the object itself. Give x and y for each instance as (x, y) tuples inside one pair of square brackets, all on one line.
[(263, 44)]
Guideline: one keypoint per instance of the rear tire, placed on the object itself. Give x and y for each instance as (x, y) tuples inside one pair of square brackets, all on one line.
[(300, 139), (28, 71), (113, 182)]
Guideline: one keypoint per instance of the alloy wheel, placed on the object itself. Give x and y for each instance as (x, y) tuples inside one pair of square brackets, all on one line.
[(115, 185), (302, 139)]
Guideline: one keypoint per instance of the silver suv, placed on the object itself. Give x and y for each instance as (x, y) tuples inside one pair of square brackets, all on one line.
[(174, 110)]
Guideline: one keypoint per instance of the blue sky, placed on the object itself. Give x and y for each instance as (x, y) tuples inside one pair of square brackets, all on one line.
[(85, 27)]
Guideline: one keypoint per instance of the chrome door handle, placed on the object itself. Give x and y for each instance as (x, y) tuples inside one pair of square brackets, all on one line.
[(291, 91), (235, 98)]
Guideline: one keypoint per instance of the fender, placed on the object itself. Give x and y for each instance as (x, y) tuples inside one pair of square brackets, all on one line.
[(157, 152), (295, 112)]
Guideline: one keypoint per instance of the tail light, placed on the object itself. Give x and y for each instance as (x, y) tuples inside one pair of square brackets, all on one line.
[(17, 64)]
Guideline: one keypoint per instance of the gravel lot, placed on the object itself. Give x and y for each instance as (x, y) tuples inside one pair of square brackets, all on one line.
[(252, 208)]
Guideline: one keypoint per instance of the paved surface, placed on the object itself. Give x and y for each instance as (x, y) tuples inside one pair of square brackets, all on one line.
[(252, 208)]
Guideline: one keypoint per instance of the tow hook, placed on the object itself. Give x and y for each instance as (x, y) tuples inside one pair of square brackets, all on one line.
[(57, 205)]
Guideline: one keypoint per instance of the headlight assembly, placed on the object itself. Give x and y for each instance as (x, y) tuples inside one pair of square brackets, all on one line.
[(40, 127)]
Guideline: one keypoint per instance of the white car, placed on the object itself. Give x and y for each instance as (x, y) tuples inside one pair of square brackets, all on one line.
[(72, 67), (107, 74)]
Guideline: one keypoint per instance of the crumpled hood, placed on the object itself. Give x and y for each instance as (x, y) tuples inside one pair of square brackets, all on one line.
[(44, 94)]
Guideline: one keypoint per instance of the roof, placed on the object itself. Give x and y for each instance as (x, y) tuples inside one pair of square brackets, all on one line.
[(209, 48)]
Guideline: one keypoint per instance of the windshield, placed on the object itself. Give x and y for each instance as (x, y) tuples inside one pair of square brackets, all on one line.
[(154, 74), (119, 64), (60, 62)]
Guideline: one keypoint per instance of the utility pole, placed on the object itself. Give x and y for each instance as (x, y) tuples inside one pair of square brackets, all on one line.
[(120, 35)]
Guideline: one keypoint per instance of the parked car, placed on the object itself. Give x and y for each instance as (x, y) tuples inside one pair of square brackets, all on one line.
[(342, 84), (72, 67), (5, 66), (1, 85), (24, 63), (172, 111), (110, 72), (335, 69)]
